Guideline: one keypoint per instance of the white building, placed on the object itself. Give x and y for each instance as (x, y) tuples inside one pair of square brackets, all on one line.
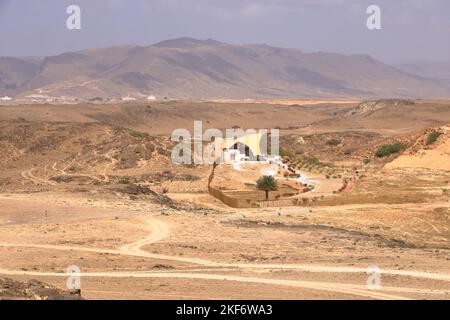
[(6, 98), (39, 98), (233, 155), (128, 98)]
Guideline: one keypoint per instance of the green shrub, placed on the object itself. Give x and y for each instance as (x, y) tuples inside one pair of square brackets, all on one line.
[(432, 137), (311, 160), (334, 142), (388, 149), (138, 134), (124, 181), (286, 154)]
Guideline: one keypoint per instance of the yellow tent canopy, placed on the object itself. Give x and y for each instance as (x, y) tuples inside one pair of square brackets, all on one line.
[(252, 141)]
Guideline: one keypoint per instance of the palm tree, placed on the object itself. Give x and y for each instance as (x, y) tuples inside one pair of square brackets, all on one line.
[(267, 183)]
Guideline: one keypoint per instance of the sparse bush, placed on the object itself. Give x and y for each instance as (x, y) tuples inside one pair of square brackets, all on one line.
[(311, 160), (286, 154), (442, 211), (389, 149), (432, 137), (334, 142), (138, 134), (124, 181)]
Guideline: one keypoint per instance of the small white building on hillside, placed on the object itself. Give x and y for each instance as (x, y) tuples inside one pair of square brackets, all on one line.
[(128, 98), (6, 98)]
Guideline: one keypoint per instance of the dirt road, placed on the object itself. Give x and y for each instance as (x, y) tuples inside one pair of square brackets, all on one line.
[(158, 230)]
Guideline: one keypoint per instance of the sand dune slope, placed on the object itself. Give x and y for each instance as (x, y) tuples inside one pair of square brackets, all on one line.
[(434, 156)]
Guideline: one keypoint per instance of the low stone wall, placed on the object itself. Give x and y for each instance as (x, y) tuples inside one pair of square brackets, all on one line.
[(279, 203), (242, 202), (252, 198), (229, 201)]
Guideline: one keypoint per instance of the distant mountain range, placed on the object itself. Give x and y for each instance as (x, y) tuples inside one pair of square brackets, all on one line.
[(196, 69), (434, 70)]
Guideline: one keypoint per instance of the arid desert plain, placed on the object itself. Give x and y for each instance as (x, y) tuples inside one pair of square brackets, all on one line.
[(93, 186)]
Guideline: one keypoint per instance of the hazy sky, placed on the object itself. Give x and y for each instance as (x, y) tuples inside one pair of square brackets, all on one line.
[(411, 29)]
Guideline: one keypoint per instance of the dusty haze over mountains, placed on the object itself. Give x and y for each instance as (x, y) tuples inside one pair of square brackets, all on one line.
[(351, 201), (412, 30), (333, 52), (195, 69)]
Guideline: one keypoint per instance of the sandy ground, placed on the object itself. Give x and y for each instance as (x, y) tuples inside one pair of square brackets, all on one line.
[(131, 245), (245, 253), (437, 157)]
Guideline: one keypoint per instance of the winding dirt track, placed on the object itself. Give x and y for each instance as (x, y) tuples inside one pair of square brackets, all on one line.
[(158, 230), (28, 175), (357, 290)]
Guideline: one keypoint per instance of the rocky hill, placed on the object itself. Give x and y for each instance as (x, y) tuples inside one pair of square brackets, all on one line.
[(431, 151), (193, 69), (33, 290)]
